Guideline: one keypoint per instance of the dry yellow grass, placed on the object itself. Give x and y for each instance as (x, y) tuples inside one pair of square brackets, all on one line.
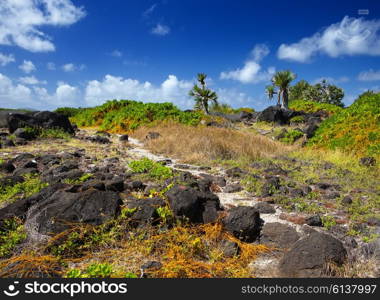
[(204, 144)]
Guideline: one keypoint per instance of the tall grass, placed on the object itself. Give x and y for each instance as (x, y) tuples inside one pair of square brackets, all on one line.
[(204, 144)]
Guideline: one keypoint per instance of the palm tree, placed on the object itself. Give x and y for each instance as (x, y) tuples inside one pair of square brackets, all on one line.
[(202, 95), (282, 80), (271, 91)]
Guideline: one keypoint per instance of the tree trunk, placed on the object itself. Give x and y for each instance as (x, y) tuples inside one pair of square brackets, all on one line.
[(205, 106), (285, 99), (279, 98)]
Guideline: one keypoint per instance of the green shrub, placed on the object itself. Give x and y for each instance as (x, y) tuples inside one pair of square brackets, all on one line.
[(68, 111), (297, 119), (291, 136), (11, 233), (80, 180), (126, 115), (328, 221), (54, 134), (312, 106), (152, 168), (30, 186), (227, 109), (355, 129), (164, 213), (92, 271)]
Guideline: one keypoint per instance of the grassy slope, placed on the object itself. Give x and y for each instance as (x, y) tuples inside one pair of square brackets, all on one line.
[(126, 115), (355, 129)]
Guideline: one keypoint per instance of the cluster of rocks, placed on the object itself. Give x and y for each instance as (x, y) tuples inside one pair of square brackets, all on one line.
[(23, 126)]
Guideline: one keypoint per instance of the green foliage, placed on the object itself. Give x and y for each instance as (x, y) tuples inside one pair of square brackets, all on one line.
[(296, 91), (152, 168), (297, 119), (92, 271), (291, 136), (321, 92), (328, 221), (54, 134), (30, 186), (80, 180), (127, 115), (355, 129), (281, 80), (203, 95), (164, 213), (11, 233), (227, 109), (130, 275), (68, 111), (312, 106)]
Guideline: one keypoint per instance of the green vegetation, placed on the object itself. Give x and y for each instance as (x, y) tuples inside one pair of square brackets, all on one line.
[(80, 180), (54, 134), (227, 109), (281, 81), (92, 271), (355, 129), (30, 186), (127, 115), (297, 119), (322, 92), (203, 95), (165, 214), (328, 221), (312, 106), (68, 111), (291, 136), (11, 233), (153, 169)]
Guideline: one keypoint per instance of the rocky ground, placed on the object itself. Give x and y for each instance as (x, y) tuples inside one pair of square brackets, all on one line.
[(315, 218)]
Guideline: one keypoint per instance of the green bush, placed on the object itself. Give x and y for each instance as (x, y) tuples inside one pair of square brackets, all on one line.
[(30, 186), (54, 134), (68, 111), (126, 115), (297, 119), (92, 271), (291, 136), (312, 106), (355, 129), (11, 233), (152, 168)]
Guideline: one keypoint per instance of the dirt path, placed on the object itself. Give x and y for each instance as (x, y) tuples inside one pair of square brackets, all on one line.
[(242, 198)]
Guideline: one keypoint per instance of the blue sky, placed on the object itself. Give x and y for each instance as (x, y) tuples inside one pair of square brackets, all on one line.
[(82, 53)]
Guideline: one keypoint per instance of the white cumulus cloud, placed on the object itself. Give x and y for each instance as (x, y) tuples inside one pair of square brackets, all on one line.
[(70, 67), (27, 66), (6, 59), (251, 72), (113, 87), (160, 29), (369, 75), (20, 21), (31, 80), (351, 36)]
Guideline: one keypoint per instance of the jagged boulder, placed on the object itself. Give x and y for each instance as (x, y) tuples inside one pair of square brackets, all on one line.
[(58, 212), (192, 204), (276, 114), (243, 222), (308, 256), (42, 119)]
